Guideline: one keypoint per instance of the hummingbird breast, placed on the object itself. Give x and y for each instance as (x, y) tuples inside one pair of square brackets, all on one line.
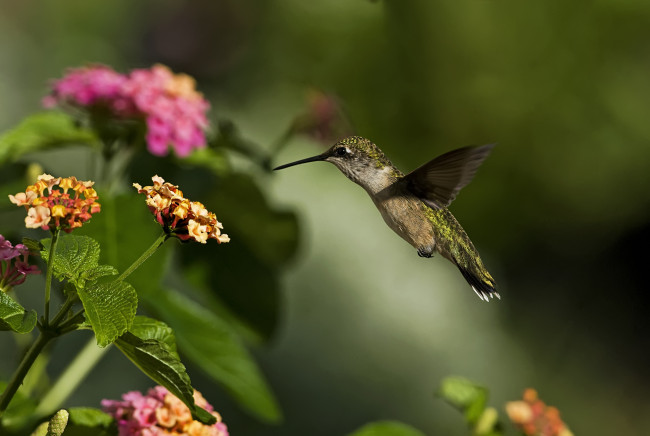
[(407, 216)]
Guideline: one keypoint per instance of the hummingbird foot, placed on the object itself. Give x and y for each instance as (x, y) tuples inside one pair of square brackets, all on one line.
[(425, 252)]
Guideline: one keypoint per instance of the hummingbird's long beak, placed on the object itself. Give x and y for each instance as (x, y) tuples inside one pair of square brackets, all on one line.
[(302, 161)]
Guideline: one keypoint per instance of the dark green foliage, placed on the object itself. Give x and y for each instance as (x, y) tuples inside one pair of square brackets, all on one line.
[(76, 259), (15, 317), (153, 352), (213, 345), (43, 131), (471, 399), (465, 395), (85, 421), (109, 305)]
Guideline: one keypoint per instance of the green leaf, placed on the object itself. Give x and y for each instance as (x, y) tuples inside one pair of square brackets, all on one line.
[(89, 417), (243, 208), (33, 244), (98, 271), (209, 158), (212, 345), (155, 358), (110, 309), (41, 131), (263, 240), (235, 285), (387, 428), (465, 395), (86, 421), (149, 328), (110, 306), (19, 411), (76, 259), (124, 236), (14, 317)]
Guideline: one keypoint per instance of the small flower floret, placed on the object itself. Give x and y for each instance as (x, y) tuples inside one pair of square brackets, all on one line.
[(179, 216), (57, 203), (14, 266), (160, 413)]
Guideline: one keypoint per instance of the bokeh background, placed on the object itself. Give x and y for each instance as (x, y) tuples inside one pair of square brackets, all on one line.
[(366, 329)]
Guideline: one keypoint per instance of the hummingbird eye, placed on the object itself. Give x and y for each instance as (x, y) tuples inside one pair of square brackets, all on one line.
[(341, 151)]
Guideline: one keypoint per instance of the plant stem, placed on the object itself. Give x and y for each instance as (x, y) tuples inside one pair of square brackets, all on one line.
[(47, 333), (88, 357), (151, 250), (17, 379), (71, 378), (64, 310), (48, 278), (69, 324)]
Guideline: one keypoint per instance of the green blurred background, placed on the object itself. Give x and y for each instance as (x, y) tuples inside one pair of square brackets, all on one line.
[(560, 211)]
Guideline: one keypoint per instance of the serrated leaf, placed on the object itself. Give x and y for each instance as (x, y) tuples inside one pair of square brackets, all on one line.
[(110, 309), (211, 344), (75, 257), (98, 271), (123, 236), (14, 317), (387, 428), (161, 364), (149, 328), (44, 130)]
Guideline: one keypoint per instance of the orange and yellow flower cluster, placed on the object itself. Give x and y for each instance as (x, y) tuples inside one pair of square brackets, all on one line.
[(179, 216), (535, 418), (57, 203)]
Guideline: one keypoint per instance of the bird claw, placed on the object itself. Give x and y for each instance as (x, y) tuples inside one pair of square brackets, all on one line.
[(422, 252)]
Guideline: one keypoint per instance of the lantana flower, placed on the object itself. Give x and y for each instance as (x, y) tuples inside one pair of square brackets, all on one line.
[(179, 216), (168, 103), (55, 202), (160, 413), (534, 418), (14, 266)]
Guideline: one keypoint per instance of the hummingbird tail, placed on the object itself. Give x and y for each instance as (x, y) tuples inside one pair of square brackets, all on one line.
[(482, 284)]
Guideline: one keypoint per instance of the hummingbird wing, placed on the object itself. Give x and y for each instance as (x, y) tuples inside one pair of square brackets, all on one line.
[(437, 182)]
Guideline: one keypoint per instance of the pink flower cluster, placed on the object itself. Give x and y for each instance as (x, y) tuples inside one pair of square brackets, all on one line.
[(13, 264), (172, 109), (160, 413)]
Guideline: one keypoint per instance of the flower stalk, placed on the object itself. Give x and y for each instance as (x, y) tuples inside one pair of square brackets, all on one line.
[(48, 277), (144, 256)]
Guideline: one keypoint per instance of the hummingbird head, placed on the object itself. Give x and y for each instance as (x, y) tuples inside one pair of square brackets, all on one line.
[(359, 159)]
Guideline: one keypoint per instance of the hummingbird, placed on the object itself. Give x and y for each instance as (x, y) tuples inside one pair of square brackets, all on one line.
[(415, 205)]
